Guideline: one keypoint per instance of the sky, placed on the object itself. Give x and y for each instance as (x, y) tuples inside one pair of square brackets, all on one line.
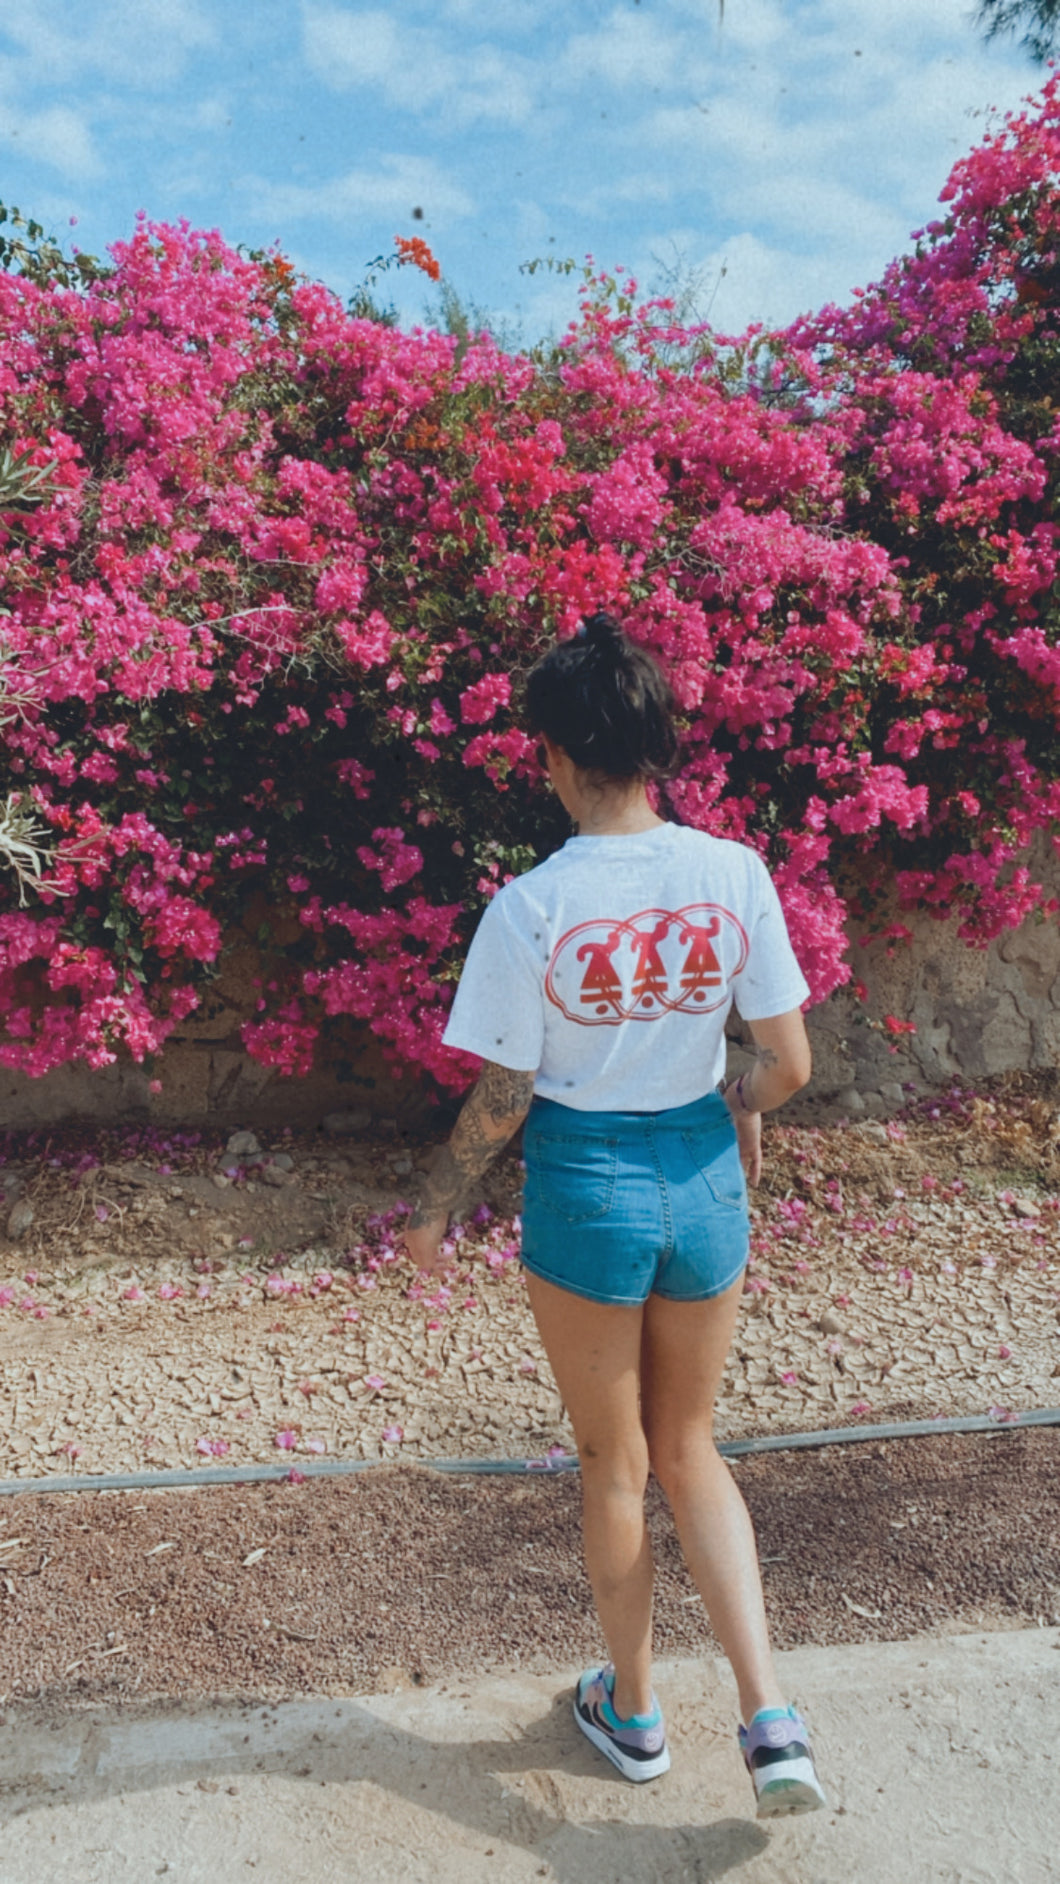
[(766, 155)]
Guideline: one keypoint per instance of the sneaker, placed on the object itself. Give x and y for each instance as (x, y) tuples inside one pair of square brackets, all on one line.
[(776, 1751), (636, 1746)]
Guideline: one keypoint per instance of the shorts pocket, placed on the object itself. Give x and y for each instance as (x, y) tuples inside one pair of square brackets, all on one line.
[(573, 1178), (721, 1170)]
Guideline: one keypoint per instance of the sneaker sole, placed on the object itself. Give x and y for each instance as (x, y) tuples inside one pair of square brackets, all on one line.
[(636, 1770), (787, 1798)]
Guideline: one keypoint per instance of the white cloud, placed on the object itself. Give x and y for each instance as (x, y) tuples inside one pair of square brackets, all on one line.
[(744, 280), (630, 49), (58, 137), (415, 68), (397, 186), (141, 43)]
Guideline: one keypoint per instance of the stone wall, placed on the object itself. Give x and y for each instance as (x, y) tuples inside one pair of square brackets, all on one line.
[(977, 1012), (207, 1076)]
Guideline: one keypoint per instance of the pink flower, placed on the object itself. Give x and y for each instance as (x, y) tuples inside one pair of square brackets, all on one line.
[(394, 1434), (375, 1381), (1004, 1353), (132, 1294), (316, 1444), (169, 1291), (479, 702), (286, 1439), (790, 1379)]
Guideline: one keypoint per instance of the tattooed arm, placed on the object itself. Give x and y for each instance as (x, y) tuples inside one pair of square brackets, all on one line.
[(781, 1066), (495, 1109)]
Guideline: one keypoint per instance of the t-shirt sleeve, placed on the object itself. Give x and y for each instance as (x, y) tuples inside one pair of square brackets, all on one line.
[(498, 1009), (771, 981)]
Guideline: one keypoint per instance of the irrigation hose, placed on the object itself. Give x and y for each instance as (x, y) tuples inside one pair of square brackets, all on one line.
[(177, 1479)]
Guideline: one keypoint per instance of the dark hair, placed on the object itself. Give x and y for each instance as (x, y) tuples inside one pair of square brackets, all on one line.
[(606, 701)]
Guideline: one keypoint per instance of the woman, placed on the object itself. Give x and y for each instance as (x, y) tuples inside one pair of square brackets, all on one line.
[(596, 991)]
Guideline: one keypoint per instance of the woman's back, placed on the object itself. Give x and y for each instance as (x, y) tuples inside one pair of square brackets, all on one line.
[(610, 969)]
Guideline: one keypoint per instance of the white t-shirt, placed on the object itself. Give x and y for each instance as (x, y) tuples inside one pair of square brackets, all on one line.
[(609, 970)]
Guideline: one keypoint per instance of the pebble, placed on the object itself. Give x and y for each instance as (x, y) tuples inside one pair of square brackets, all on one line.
[(831, 1323), (220, 1180), (877, 1133), (346, 1124), (272, 1174), (243, 1145)]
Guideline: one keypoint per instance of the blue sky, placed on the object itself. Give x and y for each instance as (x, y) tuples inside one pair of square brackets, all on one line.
[(777, 156)]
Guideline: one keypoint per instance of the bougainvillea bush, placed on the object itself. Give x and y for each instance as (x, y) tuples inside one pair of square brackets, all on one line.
[(271, 574)]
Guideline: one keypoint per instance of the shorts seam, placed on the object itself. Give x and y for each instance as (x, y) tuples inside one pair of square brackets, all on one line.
[(587, 1295), (711, 1294)]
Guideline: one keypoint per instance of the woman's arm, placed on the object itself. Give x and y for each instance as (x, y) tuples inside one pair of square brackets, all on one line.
[(495, 1109), (782, 1066)]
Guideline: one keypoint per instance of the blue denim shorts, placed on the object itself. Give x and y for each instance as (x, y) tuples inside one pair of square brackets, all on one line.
[(622, 1205)]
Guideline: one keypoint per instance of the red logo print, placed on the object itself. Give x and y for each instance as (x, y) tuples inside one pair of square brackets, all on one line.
[(660, 961)]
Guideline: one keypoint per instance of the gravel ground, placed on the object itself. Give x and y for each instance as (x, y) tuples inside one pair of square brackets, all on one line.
[(170, 1301), (403, 1577), (167, 1299)]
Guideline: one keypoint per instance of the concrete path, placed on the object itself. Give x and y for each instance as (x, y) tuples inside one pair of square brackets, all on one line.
[(939, 1757)]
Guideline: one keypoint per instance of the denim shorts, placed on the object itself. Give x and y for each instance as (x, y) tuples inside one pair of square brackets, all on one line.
[(623, 1205)]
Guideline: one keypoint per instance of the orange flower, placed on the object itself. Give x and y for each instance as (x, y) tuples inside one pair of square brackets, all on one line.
[(414, 249)]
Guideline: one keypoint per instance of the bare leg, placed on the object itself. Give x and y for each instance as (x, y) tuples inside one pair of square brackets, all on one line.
[(684, 1349), (594, 1351)]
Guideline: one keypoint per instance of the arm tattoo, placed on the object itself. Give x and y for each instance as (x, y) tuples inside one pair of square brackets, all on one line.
[(498, 1104), (766, 1057)]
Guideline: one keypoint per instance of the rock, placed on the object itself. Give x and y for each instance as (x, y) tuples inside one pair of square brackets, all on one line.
[(12, 1186), (272, 1174), (243, 1145), (832, 1324), (220, 1180), (893, 1093), (850, 1102), (346, 1124), (1025, 1207), (873, 1130), (282, 1160), (401, 1166), (21, 1217)]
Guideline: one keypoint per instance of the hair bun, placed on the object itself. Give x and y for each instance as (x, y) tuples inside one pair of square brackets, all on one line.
[(603, 631)]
